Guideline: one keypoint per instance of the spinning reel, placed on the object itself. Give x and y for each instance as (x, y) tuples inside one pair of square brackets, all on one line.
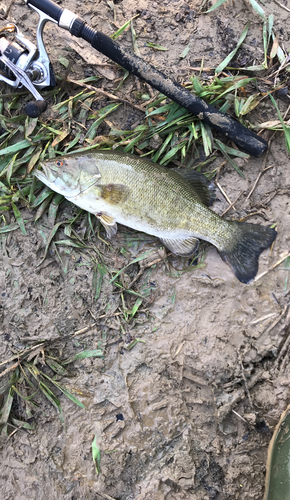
[(24, 64)]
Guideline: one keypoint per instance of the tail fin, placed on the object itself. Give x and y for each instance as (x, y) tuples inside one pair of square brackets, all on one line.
[(248, 242)]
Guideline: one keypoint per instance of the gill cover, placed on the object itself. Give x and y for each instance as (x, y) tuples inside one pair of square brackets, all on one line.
[(69, 176)]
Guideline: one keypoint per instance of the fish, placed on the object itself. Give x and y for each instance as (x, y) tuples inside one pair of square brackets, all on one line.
[(171, 205)]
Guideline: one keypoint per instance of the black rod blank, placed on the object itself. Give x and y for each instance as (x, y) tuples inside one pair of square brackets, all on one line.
[(232, 129)]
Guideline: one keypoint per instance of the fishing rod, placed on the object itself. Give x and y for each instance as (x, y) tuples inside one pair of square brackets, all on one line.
[(30, 66)]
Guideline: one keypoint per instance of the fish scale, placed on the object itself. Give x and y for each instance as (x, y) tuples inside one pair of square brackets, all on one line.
[(160, 200)]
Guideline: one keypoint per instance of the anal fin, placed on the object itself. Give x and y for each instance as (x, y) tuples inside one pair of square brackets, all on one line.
[(109, 224), (185, 247)]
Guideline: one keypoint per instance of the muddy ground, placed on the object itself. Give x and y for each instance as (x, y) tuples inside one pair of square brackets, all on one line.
[(187, 414)]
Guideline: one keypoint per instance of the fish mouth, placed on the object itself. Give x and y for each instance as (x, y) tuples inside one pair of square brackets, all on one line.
[(44, 175), (47, 171), (49, 177)]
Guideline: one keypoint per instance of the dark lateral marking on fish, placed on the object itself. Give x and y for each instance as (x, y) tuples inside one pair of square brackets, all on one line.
[(114, 193)]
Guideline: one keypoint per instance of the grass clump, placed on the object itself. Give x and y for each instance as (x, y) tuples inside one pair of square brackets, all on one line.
[(35, 373)]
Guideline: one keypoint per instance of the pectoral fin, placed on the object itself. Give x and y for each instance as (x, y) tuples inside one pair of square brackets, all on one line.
[(185, 247), (114, 194), (109, 224)]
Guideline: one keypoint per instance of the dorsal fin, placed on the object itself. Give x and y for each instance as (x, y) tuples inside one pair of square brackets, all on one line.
[(204, 188)]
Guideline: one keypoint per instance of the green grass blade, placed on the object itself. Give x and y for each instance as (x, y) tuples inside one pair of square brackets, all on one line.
[(94, 353), (12, 227), (102, 113), (45, 193), (26, 398), (18, 218), (4, 189), (249, 104), (42, 208), (6, 409), (70, 396), (67, 393), (194, 129), (55, 366), (240, 83), (186, 50), (219, 145), (265, 43), (61, 136), (171, 153), (30, 126), (235, 152), (206, 139), (126, 74), (89, 354), (10, 168), (53, 208), (133, 343), (134, 39), (136, 307), (197, 87), (96, 453), (70, 243), (119, 32), (22, 425), (52, 233), (16, 147), (258, 9), (225, 107), (141, 257), (98, 277), (163, 147), (216, 5), (158, 111), (34, 159), (132, 143), (227, 60), (155, 46), (286, 128), (51, 397)]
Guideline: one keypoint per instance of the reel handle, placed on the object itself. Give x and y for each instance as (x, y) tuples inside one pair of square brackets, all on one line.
[(34, 108)]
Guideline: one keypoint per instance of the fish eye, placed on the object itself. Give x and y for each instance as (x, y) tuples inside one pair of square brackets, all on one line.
[(59, 163)]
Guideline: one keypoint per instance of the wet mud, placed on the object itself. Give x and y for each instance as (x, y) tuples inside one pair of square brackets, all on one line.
[(189, 413)]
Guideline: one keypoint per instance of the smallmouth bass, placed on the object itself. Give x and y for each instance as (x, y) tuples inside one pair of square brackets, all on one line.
[(135, 192)]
